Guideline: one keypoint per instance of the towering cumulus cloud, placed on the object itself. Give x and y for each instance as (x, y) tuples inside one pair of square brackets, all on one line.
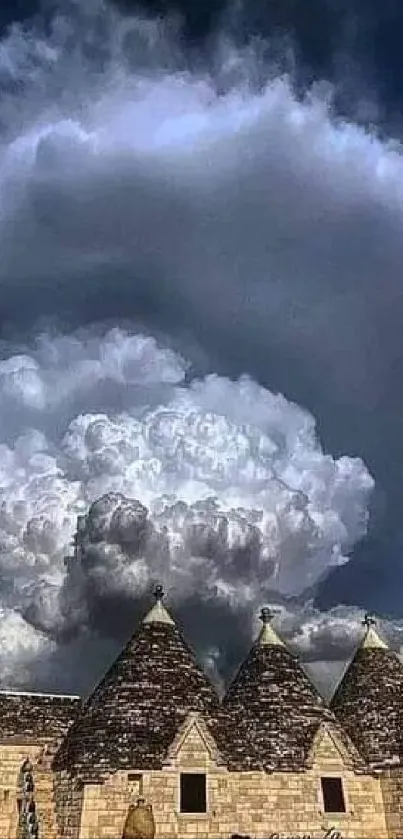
[(182, 241), (213, 486)]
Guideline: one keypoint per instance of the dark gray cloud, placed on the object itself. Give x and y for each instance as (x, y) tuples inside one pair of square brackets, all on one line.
[(356, 46), (246, 227)]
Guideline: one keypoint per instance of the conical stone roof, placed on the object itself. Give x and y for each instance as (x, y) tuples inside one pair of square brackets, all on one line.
[(272, 709), (131, 718), (369, 700)]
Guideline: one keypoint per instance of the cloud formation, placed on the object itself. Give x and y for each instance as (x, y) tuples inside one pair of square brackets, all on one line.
[(241, 222), (209, 206), (213, 486)]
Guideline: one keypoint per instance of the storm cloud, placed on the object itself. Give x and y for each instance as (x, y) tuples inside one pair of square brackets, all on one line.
[(217, 488), (257, 237)]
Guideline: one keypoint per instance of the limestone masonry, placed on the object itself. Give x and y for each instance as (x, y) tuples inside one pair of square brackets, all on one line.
[(270, 759)]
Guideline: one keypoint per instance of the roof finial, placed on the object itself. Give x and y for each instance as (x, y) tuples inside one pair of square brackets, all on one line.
[(266, 615), (267, 633), (159, 593), (158, 613), (368, 620), (371, 638)]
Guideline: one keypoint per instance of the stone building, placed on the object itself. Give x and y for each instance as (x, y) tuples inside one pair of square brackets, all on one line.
[(270, 759)]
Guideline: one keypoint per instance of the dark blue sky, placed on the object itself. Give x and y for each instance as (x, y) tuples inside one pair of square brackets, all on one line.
[(357, 44)]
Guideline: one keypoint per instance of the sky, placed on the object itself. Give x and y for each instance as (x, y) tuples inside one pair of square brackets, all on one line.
[(200, 329)]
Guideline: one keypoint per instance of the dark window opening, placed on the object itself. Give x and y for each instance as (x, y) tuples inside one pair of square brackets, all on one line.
[(333, 796), (193, 793)]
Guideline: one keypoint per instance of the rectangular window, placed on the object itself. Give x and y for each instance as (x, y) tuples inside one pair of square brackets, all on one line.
[(333, 795), (193, 793), (135, 784)]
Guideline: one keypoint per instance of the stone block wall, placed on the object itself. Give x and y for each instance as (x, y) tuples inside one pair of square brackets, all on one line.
[(68, 796), (392, 790), (12, 756), (250, 803)]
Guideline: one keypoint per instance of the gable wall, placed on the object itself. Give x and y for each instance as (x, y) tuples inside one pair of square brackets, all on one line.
[(392, 789), (250, 803), (12, 756)]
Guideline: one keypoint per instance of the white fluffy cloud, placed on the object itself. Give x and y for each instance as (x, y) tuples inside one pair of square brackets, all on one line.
[(327, 641), (240, 221), (21, 646), (214, 486)]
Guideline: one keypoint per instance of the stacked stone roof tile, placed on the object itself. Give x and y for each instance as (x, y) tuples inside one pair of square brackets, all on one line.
[(267, 720), (369, 702), (36, 716), (272, 709), (131, 718)]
